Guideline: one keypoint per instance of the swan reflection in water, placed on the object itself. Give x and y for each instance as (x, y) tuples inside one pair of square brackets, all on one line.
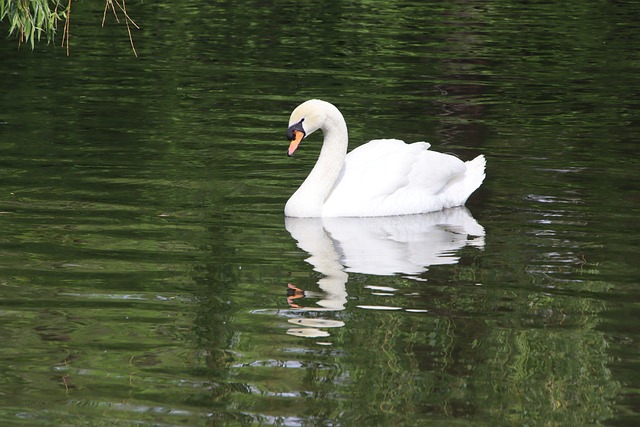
[(382, 246)]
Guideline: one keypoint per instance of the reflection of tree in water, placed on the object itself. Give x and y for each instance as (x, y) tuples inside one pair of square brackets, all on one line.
[(215, 309), (533, 352), (549, 369), (213, 330)]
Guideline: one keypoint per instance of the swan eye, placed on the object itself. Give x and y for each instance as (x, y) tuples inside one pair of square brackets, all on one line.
[(291, 132)]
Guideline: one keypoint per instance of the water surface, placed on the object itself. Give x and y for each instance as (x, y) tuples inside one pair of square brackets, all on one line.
[(148, 275)]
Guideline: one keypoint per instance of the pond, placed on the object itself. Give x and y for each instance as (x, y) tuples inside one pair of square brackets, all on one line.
[(148, 275)]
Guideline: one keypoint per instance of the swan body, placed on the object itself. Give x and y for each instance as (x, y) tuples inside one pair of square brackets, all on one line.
[(380, 178)]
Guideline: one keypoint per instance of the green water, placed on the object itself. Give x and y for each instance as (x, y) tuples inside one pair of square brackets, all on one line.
[(148, 276)]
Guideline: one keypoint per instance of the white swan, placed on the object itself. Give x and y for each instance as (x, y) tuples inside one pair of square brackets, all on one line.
[(380, 178)]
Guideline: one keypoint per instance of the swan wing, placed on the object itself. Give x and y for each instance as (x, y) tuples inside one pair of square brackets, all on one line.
[(390, 177)]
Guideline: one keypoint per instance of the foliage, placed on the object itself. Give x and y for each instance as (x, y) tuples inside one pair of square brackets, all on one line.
[(30, 19)]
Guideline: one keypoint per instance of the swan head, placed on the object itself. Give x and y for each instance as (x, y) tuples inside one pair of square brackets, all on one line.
[(307, 118)]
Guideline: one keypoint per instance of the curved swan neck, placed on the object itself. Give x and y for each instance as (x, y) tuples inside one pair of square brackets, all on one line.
[(331, 159), (308, 200)]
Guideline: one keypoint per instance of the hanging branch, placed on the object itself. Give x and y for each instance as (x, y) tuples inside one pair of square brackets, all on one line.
[(123, 8), (29, 19), (67, 25)]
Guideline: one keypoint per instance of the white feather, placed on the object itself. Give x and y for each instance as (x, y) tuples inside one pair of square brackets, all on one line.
[(380, 178)]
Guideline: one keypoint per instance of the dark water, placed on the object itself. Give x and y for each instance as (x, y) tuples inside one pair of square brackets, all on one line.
[(148, 276)]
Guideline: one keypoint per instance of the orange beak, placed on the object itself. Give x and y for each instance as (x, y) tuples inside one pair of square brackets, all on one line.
[(293, 146)]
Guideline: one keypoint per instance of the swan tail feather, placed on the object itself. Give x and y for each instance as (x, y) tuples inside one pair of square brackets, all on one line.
[(461, 189), (475, 175)]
